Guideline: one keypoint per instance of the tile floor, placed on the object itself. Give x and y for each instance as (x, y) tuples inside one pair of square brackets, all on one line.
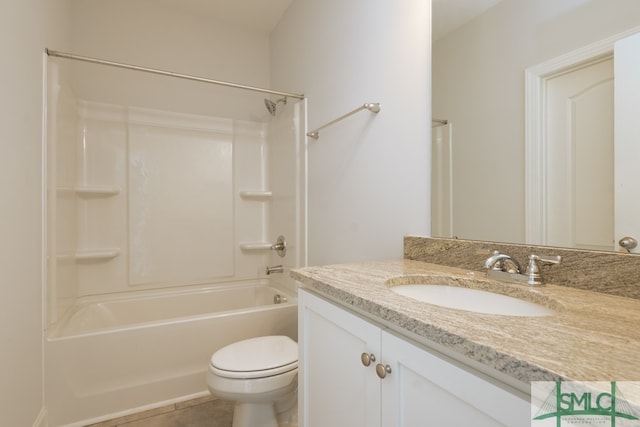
[(203, 412)]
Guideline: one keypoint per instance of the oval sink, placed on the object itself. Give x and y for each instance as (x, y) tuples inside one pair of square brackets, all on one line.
[(474, 300)]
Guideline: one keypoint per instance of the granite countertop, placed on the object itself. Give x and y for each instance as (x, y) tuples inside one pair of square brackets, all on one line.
[(591, 337)]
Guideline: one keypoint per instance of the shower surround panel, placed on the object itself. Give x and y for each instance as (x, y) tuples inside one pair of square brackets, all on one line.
[(180, 200), (155, 201)]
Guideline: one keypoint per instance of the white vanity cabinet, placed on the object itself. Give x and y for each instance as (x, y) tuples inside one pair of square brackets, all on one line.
[(419, 388)]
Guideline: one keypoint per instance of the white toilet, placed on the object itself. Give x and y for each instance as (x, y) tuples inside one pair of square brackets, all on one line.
[(261, 376)]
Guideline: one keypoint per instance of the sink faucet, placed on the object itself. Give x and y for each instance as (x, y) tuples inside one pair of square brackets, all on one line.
[(502, 262), (503, 267)]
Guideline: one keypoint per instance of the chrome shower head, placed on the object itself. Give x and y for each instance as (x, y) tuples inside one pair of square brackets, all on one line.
[(271, 106)]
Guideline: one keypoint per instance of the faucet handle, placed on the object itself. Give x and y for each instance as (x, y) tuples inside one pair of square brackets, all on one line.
[(533, 269)]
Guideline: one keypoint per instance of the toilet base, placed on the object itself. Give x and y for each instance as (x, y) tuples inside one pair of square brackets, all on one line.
[(288, 418), (254, 415)]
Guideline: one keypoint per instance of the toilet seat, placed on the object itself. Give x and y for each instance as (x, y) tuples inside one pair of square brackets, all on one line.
[(256, 358)]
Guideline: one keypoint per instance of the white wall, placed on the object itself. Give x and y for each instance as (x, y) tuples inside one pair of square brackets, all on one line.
[(369, 176), (26, 28), (149, 34), (478, 85)]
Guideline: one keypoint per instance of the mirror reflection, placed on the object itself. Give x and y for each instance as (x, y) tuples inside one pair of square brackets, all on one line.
[(491, 181)]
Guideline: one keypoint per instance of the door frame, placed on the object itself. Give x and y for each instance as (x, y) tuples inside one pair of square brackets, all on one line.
[(535, 135)]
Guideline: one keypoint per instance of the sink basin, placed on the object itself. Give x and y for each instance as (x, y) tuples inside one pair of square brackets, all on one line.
[(474, 300)]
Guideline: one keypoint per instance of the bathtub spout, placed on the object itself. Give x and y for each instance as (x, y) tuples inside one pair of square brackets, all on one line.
[(275, 269)]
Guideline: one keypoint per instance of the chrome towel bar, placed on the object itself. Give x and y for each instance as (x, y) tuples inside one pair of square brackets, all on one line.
[(374, 107)]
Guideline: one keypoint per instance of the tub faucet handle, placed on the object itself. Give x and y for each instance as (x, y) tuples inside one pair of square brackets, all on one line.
[(280, 246)]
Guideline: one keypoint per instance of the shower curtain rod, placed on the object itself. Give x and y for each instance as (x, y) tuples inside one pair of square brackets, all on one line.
[(50, 52), (374, 107)]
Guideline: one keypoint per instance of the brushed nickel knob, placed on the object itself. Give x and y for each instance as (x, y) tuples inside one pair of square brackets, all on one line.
[(367, 358), (628, 243), (382, 370)]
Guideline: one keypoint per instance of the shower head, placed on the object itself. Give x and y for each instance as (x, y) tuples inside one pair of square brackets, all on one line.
[(271, 106)]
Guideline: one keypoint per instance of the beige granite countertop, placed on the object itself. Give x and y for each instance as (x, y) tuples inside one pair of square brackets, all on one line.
[(591, 337)]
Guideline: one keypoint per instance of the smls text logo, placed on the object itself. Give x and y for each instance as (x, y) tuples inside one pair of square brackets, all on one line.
[(560, 404)]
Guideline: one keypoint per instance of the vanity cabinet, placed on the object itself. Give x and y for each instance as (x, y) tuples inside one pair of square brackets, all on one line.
[(404, 384)]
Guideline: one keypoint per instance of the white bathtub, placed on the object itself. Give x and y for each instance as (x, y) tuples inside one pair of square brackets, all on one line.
[(116, 356)]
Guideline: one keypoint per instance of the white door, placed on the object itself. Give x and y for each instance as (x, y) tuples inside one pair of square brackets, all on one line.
[(627, 138), (423, 390), (579, 158), (336, 389)]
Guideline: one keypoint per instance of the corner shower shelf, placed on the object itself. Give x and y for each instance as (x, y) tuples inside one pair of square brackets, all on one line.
[(96, 190), (90, 190), (256, 195), (97, 254), (255, 246)]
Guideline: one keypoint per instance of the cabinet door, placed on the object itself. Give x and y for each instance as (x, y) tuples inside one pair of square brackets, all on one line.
[(336, 389), (424, 390)]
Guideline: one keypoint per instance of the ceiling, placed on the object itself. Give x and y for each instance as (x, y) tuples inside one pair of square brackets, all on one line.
[(264, 15), (451, 14)]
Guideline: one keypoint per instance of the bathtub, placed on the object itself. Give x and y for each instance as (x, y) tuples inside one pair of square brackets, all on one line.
[(114, 356)]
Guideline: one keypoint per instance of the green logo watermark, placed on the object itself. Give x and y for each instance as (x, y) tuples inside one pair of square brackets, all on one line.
[(559, 404)]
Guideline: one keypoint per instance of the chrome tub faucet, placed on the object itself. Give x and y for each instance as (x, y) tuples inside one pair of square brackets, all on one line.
[(274, 269)]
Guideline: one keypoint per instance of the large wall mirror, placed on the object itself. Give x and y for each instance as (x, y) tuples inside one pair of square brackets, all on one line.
[(491, 181)]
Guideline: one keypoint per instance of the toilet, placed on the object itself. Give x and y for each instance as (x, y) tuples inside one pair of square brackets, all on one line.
[(261, 376)]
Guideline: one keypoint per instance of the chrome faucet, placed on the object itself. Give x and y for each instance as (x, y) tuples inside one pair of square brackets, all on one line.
[(503, 267), (274, 269), (502, 262)]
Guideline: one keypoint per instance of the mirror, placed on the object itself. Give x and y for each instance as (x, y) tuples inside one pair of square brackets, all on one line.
[(478, 88)]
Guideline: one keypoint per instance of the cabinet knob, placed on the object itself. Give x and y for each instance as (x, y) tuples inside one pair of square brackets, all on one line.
[(367, 358), (382, 370), (628, 243)]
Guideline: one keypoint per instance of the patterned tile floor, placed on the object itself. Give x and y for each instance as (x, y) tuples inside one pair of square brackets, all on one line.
[(203, 412)]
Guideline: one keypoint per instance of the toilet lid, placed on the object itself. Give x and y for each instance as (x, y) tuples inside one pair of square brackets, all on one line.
[(256, 357)]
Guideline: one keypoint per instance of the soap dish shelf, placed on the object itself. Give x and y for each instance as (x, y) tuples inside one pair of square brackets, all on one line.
[(256, 194), (97, 254), (91, 190)]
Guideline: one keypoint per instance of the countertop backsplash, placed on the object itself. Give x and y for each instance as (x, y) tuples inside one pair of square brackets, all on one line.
[(606, 272)]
